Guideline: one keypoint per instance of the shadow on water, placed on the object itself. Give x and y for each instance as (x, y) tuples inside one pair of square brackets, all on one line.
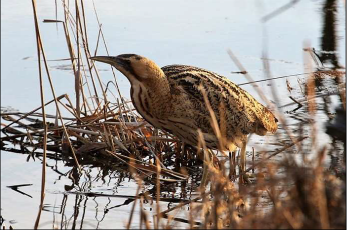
[(104, 184), (329, 38)]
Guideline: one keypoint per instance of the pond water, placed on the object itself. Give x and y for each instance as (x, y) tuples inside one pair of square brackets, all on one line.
[(194, 32)]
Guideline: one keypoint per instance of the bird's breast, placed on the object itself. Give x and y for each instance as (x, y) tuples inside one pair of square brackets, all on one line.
[(148, 105)]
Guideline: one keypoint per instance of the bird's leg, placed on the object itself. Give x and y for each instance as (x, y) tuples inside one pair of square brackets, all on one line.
[(243, 159), (206, 163), (179, 154), (243, 156), (184, 156), (232, 162)]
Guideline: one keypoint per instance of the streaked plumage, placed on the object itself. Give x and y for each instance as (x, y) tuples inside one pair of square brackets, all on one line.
[(170, 99)]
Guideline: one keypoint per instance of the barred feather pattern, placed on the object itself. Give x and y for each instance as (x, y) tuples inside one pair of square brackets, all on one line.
[(241, 113), (170, 98)]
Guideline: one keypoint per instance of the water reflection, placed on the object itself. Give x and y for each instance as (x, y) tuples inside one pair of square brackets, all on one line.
[(105, 193), (329, 37)]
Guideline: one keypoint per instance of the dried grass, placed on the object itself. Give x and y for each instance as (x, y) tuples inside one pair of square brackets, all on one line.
[(110, 135)]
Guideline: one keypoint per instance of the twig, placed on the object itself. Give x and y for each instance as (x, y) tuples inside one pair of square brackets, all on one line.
[(279, 10), (133, 207), (163, 213), (275, 78), (299, 104), (43, 176), (30, 113)]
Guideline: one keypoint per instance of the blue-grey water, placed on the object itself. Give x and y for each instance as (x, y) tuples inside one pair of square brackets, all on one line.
[(169, 32)]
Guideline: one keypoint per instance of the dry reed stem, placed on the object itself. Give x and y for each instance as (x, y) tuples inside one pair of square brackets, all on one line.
[(157, 196), (311, 93), (250, 79), (260, 93), (68, 16), (214, 122), (279, 10), (143, 215), (279, 113), (308, 99), (75, 113), (54, 95), (131, 165), (72, 111), (206, 167), (133, 207), (106, 48), (275, 78), (320, 187), (78, 72), (215, 211), (43, 176)]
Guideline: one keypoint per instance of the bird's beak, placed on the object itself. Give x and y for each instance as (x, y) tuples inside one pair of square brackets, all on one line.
[(115, 61)]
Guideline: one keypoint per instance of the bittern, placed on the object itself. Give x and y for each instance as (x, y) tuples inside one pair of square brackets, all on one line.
[(173, 98)]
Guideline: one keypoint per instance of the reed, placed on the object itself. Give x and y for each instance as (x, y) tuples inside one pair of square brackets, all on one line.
[(274, 191)]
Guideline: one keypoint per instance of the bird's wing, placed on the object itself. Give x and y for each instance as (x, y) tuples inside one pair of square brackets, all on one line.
[(235, 109)]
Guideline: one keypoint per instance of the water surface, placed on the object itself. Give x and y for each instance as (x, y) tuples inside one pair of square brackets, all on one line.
[(169, 32)]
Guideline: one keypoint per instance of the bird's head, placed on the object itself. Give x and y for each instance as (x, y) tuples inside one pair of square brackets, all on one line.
[(133, 66)]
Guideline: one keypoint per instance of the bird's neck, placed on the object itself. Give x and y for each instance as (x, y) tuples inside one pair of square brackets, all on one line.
[(152, 97), (160, 95)]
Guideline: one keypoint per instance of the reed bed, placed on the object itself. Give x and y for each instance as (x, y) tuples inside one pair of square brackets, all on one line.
[(276, 190)]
